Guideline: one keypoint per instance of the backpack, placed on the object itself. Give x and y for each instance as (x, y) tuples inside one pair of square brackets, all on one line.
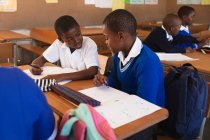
[(84, 123), (186, 100)]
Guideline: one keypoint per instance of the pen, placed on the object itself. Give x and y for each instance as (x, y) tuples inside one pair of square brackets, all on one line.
[(34, 66), (203, 51)]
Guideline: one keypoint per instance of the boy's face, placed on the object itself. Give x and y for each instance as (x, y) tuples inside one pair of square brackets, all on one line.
[(189, 19), (175, 30), (73, 38), (112, 40)]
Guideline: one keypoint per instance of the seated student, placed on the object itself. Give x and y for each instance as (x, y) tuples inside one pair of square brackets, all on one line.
[(161, 39), (186, 14), (72, 49), (25, 112), (136, 69)]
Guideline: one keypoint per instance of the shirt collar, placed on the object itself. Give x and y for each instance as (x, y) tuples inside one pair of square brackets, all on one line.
[(169, 37), (135, 51), (184, 28), (64, 46)]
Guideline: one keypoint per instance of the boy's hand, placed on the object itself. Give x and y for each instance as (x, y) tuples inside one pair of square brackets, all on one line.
[(189, 50), (99, 79), (36, 70)]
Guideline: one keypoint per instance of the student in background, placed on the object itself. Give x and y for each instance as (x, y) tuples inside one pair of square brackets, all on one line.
[(25, 112), (72, 49), (136, 69), (186, 14), (161, 39)]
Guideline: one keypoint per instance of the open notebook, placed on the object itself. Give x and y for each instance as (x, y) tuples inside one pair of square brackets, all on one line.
[(118, 107), (47, 70)]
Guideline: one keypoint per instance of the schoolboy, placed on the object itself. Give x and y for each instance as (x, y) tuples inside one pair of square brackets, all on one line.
[(25, 112), (186, 14), (72, 49), (161, 39), (136, 69)]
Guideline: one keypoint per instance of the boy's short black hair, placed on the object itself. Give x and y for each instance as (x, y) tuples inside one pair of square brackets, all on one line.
[(121, 20), (63, 24), (170, 20), (185, 11)]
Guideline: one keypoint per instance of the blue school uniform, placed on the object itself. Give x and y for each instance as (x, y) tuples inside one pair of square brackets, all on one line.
[(190, 41), (25, 114), (140, 73)]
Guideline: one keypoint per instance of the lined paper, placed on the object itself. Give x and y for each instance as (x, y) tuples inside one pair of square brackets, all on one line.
[(118, 107)]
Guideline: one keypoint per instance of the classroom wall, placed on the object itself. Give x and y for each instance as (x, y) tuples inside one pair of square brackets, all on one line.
[(202, 11), (36, 13)]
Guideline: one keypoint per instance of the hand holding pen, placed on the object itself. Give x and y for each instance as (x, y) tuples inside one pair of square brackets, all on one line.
[(35, 69), (100, 79)]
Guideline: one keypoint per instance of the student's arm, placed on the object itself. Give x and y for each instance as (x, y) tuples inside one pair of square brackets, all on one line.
[(80, 75), (112, 78), (150, 82), (184, 39), (35, 67), (50, 55), (168, 46)]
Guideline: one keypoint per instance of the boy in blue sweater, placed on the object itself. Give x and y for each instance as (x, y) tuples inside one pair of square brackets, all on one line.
[(186, 14), (136, 69)]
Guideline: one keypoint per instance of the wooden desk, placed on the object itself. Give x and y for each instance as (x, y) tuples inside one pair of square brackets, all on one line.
[(48, 35), (60, 106), (142, 34), (203, 64), (6, 35), (148, 25)]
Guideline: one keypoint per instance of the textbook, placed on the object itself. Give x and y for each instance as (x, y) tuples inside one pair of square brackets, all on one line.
[(118, 107)]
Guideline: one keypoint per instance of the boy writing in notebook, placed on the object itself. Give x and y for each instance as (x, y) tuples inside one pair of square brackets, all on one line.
[(186, 14), (72, 49), (161, 39), (136, 69)]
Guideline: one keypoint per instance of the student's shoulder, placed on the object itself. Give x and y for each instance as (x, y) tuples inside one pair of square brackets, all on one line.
[(88, 44), (147, 56)]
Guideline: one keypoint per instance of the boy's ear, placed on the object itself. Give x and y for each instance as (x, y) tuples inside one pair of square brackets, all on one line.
[(121, 35)]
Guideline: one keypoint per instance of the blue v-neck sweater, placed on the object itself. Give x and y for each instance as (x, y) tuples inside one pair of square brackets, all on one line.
[(142, 76)]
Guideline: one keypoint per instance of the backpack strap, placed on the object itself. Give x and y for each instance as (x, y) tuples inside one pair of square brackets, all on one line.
[(66, 130), (190, 65)]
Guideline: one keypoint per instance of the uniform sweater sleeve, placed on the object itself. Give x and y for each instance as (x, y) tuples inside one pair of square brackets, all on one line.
[(112, 78)]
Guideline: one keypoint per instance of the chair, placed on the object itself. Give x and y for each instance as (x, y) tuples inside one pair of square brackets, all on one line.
[(7, 54)]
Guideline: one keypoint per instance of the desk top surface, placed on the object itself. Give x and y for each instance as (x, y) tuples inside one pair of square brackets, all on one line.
[(60, 106), (202, 64), (6, 35)]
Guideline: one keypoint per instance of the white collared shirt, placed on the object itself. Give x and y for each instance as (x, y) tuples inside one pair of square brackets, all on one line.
[(169, 37), (184, 28), (80, 59), (135, 51)]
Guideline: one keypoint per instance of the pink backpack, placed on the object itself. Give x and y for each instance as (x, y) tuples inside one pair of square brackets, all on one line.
[(84, 123)]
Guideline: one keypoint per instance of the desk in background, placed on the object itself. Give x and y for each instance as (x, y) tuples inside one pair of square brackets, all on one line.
[(10, 36), (7, 36), (203, 64), (60, 106)]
